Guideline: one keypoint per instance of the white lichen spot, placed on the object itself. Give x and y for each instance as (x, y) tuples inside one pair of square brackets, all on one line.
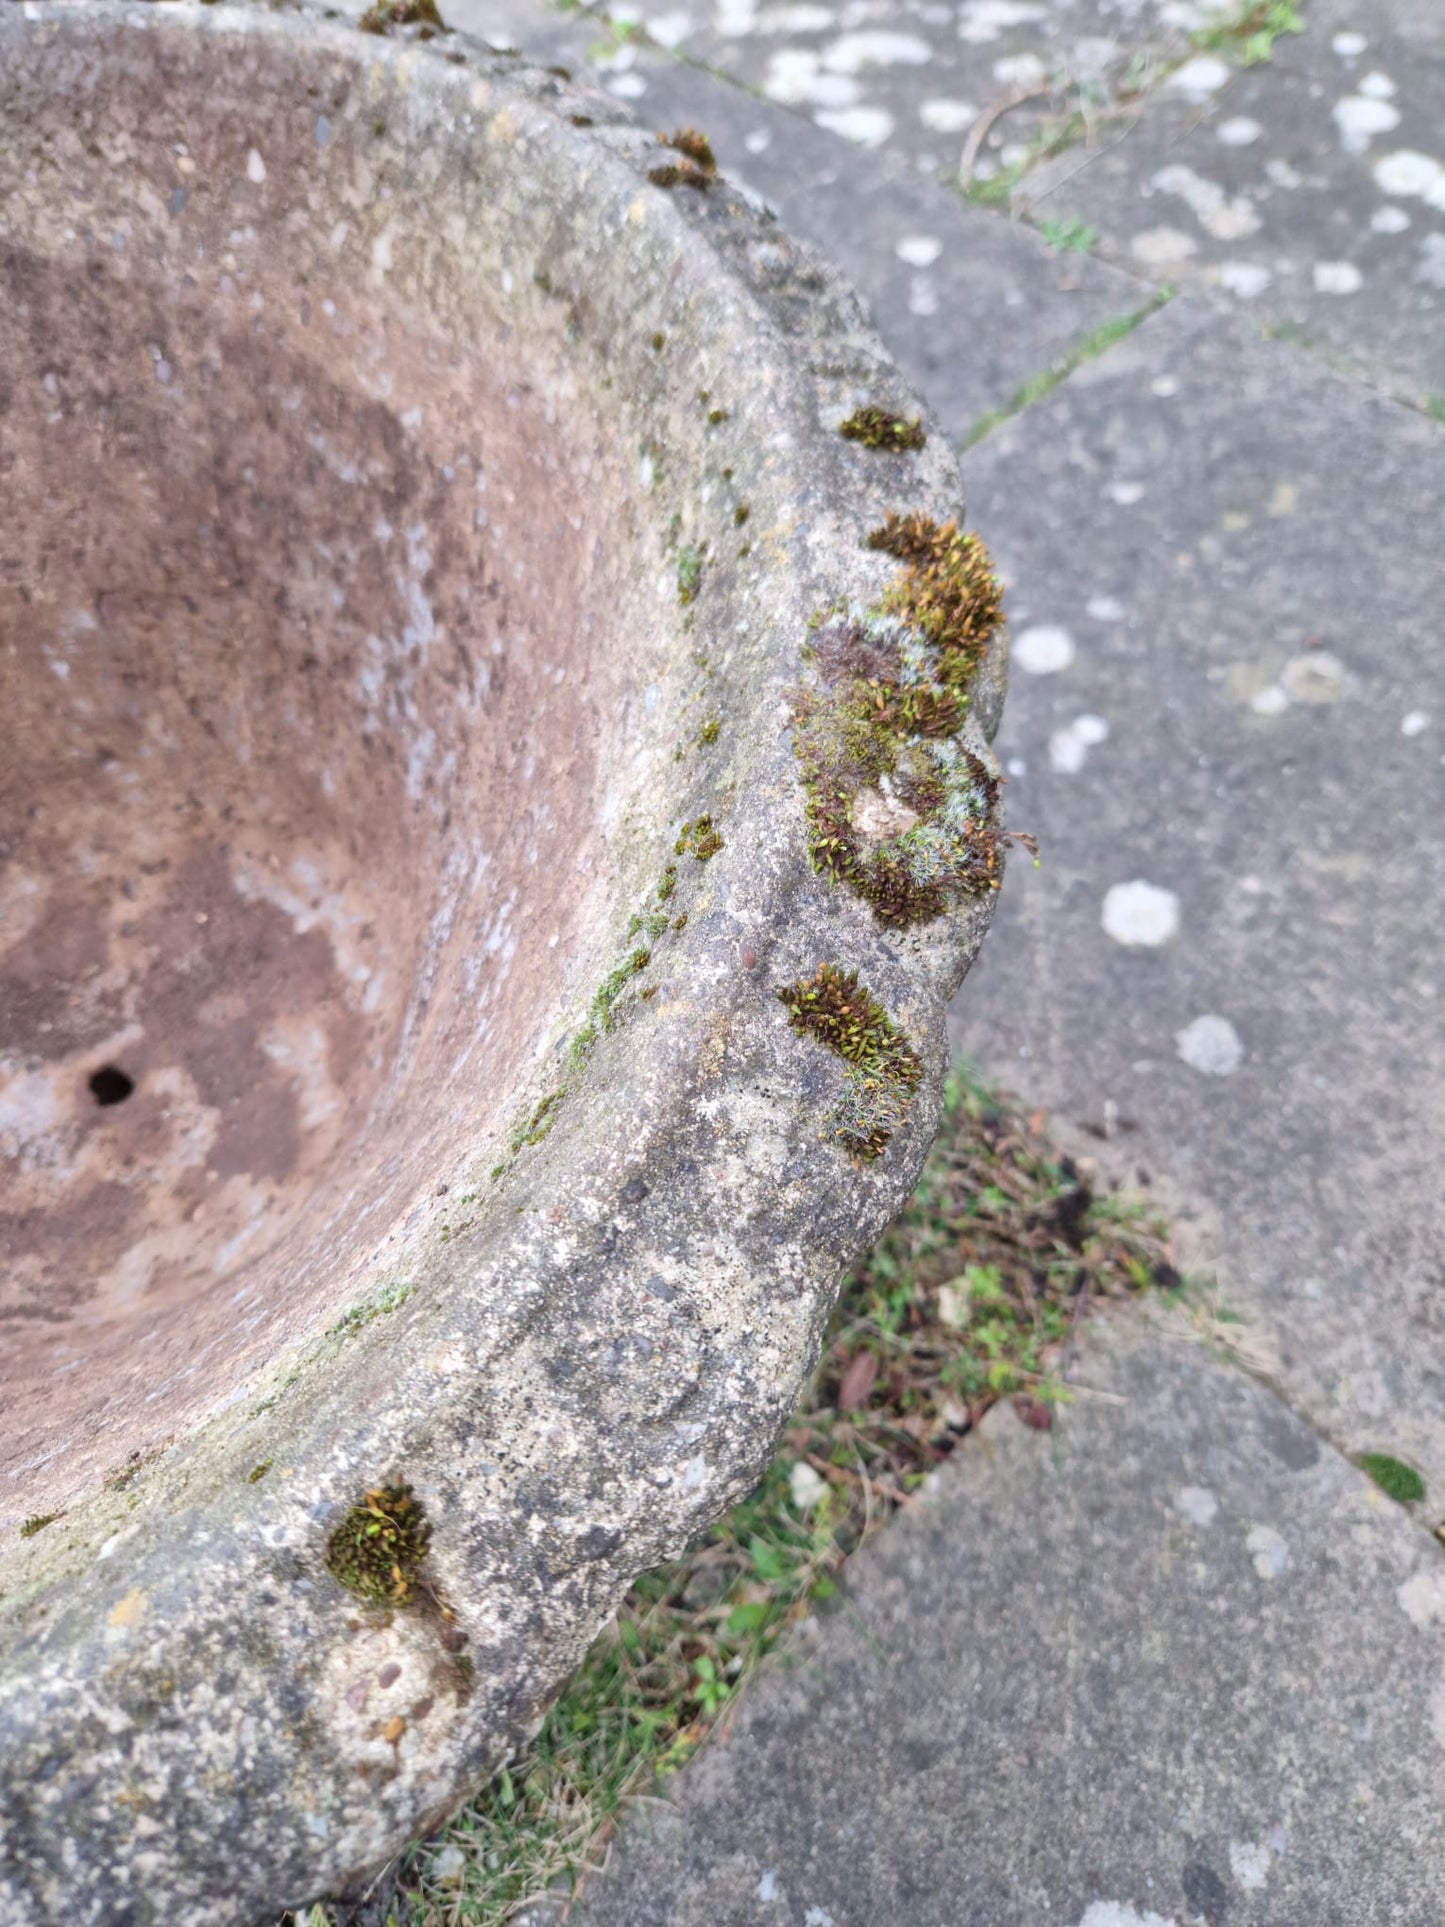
[(1118, 1913), (1197, 79), (1197, 1504), (1378, 86), (1349, 46), (919, 250), (1126, 494), (759, 140), (1389, 220), (817, 1917), (629, 86), (671, 29), (1140, 915), (255, 167), (1020, 70), (1407, 171), (942, 115), (1105, 608), (1414, 723), (805, 1487), (1268, 1551), (768, 1886), (1226, 218), (1270, 701), (1238, 131), (856, 52), (736, 18), (1314, 677), (1210, 1045), (1069, 748), (1337, 277), (1246, 280), (1437, 1712), (1422, 1599), (1016, 766), (1249, 1863), (985, 20), (1163, 247), (865, 126), (1360, 118), (1042, 650)]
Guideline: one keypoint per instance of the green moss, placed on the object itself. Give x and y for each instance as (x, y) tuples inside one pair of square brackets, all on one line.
[(708, 734), (377, 1550), (258, 1472), (702, 838), (741, 514), (896, 809), (541, 1121), (1395, 1479), (689, 573), (881, 1067), (600, 1011), (717, 416), (37, 1522), (392, 1298), (878, 428), (386, 14), (668, 883)]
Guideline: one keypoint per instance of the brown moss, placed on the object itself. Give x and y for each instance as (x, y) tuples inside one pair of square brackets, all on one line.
[(383, 15), (880, 428), (702, 838), (948, 589), (882, 1068), (696, 146), (680, 174)]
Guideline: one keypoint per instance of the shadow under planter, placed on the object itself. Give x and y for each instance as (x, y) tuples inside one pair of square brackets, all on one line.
[(487, 845)]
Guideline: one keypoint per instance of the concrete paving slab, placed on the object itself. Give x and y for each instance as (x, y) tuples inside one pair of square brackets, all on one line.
[(1225, 726), (1308, 190), (1174, 1662)]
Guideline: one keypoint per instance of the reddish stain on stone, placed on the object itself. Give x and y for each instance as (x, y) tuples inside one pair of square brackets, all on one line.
[(389, 1674)]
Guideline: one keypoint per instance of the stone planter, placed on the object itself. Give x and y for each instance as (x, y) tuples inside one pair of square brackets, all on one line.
[(441, 815)]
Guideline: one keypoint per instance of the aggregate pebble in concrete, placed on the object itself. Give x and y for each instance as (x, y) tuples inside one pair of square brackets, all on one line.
[(1173, 1663)]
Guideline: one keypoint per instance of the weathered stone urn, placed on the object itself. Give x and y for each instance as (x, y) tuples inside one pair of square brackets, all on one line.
[(487, 845)]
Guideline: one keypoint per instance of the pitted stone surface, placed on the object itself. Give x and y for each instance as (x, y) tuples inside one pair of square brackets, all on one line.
[(572, 1326)]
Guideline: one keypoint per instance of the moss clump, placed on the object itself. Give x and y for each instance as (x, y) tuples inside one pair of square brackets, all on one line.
[(1396, 1480), (741, 514), (377, 1549), (667, 883), (600, 1010), (948, 590), (680, 174), (882, 1068), (708, 734), (386, 14), (702, 838), (689, 574), (259, 1472), (879, 428), (37, 1522), (896, 809), (695, 146)]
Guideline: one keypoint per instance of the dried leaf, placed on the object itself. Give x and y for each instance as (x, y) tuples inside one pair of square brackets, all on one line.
[(857, 1382)]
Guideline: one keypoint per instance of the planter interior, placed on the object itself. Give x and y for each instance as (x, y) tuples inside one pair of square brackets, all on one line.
[(417, 515)]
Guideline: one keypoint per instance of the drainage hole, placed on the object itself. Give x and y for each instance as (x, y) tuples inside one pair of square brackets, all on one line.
[(110, 1085)]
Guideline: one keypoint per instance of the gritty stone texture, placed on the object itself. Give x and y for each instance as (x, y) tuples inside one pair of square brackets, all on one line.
[(1064, 1691), (1276, 525), (404, 270)]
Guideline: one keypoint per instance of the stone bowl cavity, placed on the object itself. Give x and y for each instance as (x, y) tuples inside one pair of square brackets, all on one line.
[(420, 483)]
